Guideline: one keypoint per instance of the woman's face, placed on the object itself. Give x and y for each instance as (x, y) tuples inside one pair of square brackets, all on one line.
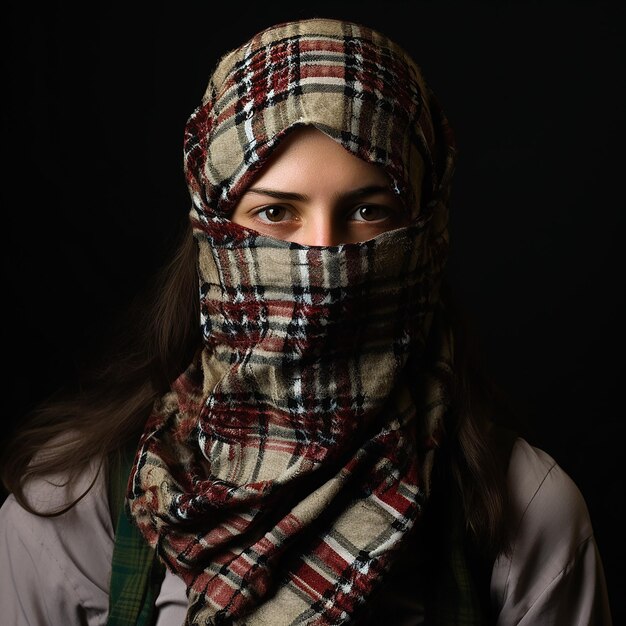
[(314, 192)]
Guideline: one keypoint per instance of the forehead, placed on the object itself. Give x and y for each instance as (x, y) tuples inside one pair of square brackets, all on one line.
[(308, 156)]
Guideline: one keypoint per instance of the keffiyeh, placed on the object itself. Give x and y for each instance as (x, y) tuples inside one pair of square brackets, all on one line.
[(289, 464)]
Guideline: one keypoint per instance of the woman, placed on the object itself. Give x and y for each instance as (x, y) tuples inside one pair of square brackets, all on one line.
[(323, 451)]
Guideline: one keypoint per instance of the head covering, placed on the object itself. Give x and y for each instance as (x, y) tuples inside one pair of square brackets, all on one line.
[(283, 473)]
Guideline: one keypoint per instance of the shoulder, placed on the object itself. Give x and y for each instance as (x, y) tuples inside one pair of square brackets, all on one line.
[(540, 491), (57, 568), (553, 571)]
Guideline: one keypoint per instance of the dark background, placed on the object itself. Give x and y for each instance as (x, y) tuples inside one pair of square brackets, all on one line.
[(95, 100)]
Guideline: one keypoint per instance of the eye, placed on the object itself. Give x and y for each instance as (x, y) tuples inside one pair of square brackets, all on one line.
[(273, 213), (371, 213)]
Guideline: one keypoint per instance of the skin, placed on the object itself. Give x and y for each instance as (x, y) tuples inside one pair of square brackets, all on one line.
[(316, 193)]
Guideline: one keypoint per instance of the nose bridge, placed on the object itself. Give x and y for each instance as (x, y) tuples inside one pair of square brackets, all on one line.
[(323, 229)]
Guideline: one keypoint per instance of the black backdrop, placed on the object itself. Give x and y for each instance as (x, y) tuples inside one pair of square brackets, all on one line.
[(95, 102)]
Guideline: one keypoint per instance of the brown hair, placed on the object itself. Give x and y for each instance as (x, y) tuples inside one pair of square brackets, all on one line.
[(479, 422), (110, 408), (107, 410)]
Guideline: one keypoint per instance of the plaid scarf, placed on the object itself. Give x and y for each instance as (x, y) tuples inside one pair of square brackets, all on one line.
[(289, 465)]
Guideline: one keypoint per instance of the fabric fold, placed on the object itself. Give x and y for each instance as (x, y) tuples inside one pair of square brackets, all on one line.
[(285, 470)]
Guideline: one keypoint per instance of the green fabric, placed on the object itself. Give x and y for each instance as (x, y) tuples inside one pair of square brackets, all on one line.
[(136, 574), (459, 591)]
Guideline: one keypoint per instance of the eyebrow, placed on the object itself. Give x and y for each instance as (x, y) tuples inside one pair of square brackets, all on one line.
[(354, 194)]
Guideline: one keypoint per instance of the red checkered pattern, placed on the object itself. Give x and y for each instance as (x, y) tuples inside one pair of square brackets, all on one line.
[(284, 471)]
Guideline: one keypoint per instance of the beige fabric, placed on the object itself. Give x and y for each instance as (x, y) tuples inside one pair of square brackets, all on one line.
[(321, 102), (55, 572), (302, 414)]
